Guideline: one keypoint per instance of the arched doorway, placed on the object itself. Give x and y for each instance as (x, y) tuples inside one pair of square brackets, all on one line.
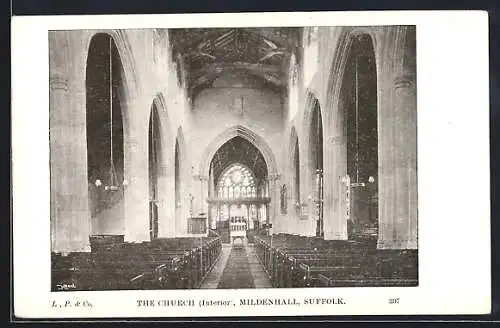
[(359, 96), (316, 162), (104, 127), (154, 146)]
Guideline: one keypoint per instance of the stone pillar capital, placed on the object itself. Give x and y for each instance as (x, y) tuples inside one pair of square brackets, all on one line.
[(200, 177), (273, 177), (58, 82), (404, 80), (335, 140)]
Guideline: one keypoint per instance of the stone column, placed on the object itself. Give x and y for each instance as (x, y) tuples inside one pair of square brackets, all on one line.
[(397, 167), (274, 194), (70, 216), (69, 186), (136, 173), (212, 193), (166, 215), (335, 223), (203, 194)]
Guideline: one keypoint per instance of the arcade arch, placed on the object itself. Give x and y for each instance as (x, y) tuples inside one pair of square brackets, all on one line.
[(105, 137)]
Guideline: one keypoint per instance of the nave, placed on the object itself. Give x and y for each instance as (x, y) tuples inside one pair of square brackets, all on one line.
[(169, 147)]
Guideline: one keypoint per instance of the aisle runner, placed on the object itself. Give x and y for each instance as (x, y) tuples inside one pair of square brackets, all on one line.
[(237, 272)]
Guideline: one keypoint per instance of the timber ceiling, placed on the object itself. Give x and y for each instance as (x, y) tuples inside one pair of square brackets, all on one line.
[(239, 150), (208, 52)]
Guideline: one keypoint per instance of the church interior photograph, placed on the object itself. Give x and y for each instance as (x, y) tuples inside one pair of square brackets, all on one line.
[(204, 158)]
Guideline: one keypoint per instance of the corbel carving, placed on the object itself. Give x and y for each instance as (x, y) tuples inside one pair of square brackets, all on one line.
[(404, 81), (58, 82)]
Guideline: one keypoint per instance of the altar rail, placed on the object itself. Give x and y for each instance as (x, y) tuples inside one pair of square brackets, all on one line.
[(294, 261)]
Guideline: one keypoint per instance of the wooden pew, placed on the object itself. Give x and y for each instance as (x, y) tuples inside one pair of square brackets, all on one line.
[(380, 268), (162, 264), (295, 261)]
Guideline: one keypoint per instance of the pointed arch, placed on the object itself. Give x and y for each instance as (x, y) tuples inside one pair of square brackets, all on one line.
[(313, 125), (313, 110), (165, 125), (352, 102), (340, 60), (245, 133), (105, 133), (125, 51), (131, 78)]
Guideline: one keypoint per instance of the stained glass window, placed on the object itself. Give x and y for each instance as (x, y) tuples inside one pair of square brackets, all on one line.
[(237, 182)]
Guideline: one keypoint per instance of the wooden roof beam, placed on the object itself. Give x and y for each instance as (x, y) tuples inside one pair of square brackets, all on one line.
[(219, 67), (180, 45), (280, 41)]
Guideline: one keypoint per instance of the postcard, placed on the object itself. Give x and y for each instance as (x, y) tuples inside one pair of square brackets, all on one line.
[(252, 164)]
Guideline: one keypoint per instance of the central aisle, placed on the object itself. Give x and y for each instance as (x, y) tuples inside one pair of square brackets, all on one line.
[(237, 273), (237, 268)]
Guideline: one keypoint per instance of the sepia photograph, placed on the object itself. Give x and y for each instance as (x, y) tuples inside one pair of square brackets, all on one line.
[(215, 158), (272, 164)]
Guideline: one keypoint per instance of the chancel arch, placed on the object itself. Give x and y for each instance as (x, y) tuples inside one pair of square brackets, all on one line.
[(240, 185), (244, 133), (105, 135)]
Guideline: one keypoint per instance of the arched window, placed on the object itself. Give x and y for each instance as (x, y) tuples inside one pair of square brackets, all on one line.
[(238, 180)]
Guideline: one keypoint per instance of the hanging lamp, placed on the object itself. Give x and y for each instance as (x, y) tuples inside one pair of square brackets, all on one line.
[(357, 119), (357, 183), (154, 156), (113, 179)]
